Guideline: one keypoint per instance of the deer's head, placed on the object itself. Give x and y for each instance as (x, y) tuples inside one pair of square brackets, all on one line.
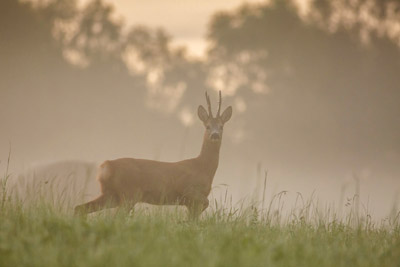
[(214, 126)]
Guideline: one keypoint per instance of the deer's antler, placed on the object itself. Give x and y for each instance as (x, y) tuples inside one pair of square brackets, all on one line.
[(219, 104), (209, 105)]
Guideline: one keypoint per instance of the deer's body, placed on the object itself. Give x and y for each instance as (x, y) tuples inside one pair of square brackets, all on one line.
[(169, 183), (155, 182), (186, 182)]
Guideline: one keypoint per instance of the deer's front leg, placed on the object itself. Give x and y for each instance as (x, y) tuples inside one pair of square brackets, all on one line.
[(196, 206)]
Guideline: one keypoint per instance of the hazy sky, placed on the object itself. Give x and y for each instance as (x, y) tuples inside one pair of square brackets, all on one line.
[(185, 20)]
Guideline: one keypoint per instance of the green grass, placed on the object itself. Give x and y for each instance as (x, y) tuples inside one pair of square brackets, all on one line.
[(38, 230), (42, 236)]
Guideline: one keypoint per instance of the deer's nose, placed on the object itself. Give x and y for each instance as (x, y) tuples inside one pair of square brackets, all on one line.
[(215, 136)]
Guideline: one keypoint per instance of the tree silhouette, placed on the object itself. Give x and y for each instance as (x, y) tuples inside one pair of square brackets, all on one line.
[(66, 76), (317, 90)]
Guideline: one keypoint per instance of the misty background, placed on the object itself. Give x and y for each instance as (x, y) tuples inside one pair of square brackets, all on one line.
[(314, 85)]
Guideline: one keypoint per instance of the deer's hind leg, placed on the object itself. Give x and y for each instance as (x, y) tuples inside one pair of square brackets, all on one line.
[(102, 202)]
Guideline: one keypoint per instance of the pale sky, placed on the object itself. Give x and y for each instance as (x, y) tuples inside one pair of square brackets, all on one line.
[(185, 20)]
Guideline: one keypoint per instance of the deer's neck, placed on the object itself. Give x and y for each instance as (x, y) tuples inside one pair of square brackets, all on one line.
[(209, 155)]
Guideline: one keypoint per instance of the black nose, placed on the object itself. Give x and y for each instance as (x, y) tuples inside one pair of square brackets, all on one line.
[(215, 136)]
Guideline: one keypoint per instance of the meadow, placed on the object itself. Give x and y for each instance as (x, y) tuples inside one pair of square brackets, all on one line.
[(46, 233)]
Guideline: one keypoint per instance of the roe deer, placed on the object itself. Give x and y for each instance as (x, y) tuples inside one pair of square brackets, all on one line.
[(186, 182)]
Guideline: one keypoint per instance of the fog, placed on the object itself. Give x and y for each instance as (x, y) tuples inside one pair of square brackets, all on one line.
[(314, 87)]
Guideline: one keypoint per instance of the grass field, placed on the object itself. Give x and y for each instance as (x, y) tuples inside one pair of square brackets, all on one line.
[(41, 235), (45, 233)]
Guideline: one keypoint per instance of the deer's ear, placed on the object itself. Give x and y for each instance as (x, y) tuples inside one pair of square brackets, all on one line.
[(227, 114), (202, 113)]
